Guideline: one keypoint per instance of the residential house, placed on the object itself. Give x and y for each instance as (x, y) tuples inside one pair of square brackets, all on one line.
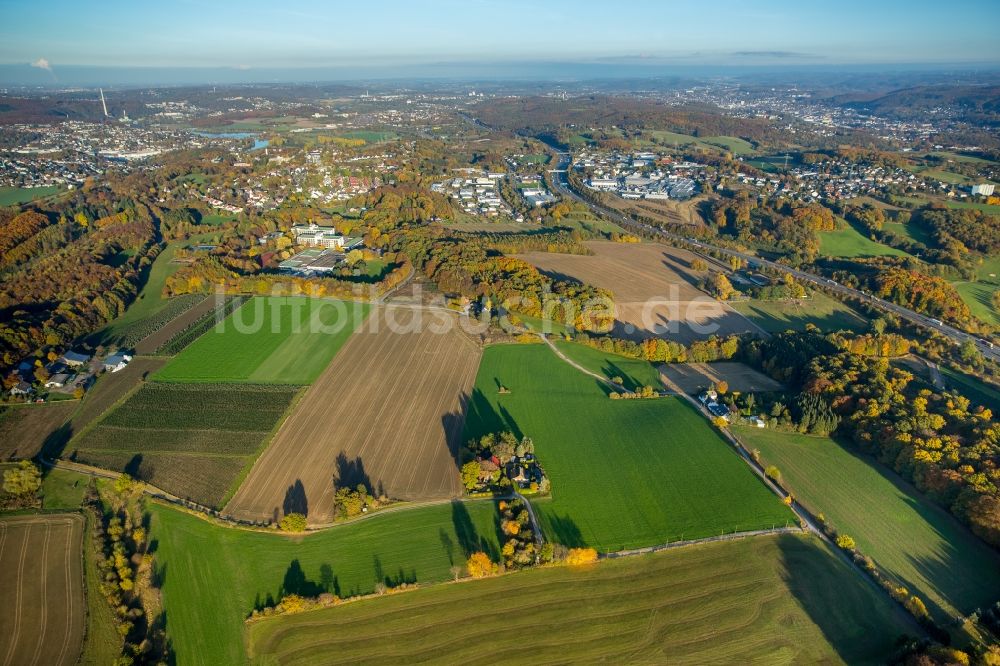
[(22, 388)]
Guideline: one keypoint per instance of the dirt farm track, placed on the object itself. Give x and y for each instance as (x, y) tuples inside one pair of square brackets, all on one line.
[(654, 290), (388, 411), (42, 579)]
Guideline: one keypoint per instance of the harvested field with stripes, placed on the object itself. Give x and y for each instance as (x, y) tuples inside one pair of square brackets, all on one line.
[(766, 600), (654, 289), (42, 578), (387, 412)]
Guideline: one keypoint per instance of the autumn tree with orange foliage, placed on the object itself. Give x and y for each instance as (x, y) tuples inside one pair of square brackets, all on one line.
[(577, 556), (479, 565)]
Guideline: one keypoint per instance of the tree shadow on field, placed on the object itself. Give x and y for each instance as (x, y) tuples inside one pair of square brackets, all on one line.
[(820, 581), (351, 473), (55, 442), (453, 424), (565, 531), (134, 466), (469, 539), (560, 277), (159, 574), (296, 582), (392, 580), (295, 499), (481, 418), (164, 645), (448, 544), (612, 370), (327, 580), (681, 269)]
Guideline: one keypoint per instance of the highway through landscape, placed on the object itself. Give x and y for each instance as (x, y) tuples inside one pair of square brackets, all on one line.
[(561, 182)]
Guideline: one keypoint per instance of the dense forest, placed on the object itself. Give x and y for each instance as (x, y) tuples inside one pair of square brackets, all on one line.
[(949, 448)]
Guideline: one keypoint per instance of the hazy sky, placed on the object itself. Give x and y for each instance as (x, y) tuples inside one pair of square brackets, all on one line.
[(301, 33)]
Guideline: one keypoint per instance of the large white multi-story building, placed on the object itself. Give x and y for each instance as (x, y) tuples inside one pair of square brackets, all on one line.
[(317, 236)]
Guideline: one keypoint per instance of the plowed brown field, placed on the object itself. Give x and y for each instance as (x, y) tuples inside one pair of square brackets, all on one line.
[(654, 290), (42, 579), (388, 411), (693, 377)]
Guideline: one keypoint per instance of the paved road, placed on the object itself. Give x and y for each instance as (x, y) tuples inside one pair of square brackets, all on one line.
[(561, 182)]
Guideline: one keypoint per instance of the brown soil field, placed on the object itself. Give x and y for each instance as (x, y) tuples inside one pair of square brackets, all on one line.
[(24, 429), (388, 411), (654, 290), (42, 577), (156, 339), (693, 377), (669, 211)]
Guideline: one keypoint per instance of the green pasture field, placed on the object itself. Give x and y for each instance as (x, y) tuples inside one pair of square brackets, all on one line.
[(916, 542), (824, 312), (624, 473), (10, 196), (849, 242), (214, 575), (215, 219), (986, 208), (978, 295), (539, 325), (634, 372), (959, 157), (270, 340), (192, 440), (945, 176), (770, 163), (732, 144), (586, 221), (534, 158), (768, 600), (910, 230), (149, 301), (735, 145)]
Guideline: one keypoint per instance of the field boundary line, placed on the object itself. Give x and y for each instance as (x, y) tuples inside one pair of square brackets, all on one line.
[(15, 633), (731, 536), (44, 621), (67, 588), (216, 516), (251, 459)]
